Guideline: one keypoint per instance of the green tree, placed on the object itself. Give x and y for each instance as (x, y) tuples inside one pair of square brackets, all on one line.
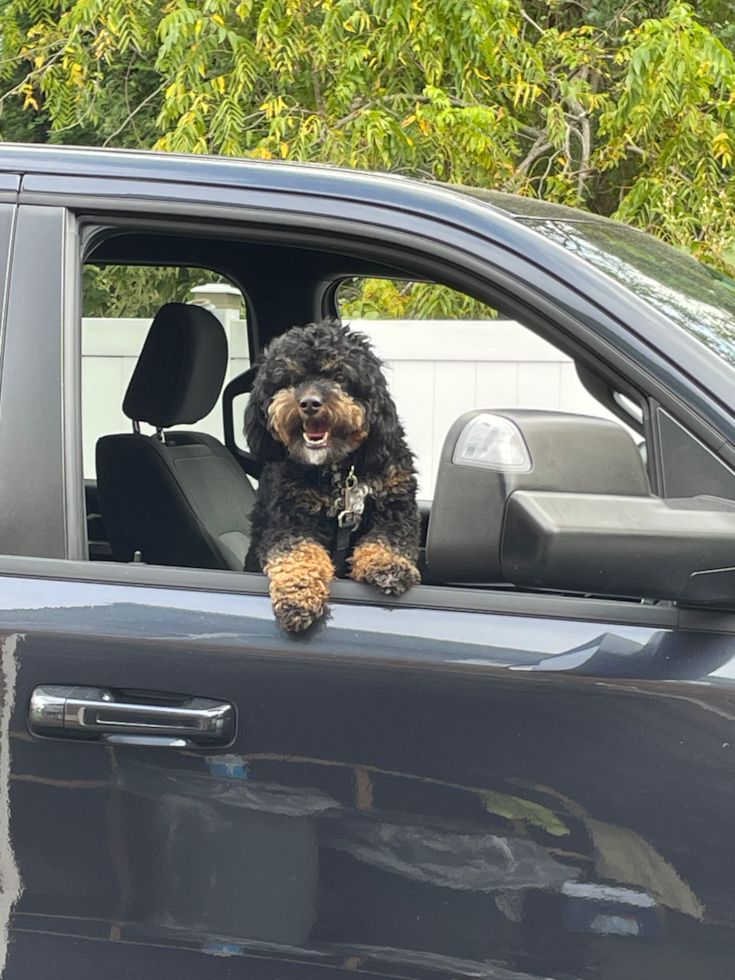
[(622, 107), (121, 291)]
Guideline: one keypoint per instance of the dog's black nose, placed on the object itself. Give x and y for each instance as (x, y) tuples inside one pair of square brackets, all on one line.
[(310, 404)]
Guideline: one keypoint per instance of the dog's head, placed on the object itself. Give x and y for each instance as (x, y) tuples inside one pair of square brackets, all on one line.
[(320, 396)]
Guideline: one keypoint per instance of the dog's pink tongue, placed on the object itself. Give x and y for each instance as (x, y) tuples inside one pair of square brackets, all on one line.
[(315, 427)]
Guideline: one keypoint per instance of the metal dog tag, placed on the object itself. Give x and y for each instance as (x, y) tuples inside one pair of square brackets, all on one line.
[(353, 502)]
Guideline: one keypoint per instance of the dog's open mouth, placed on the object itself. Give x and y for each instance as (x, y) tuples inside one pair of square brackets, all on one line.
[(316, 433)]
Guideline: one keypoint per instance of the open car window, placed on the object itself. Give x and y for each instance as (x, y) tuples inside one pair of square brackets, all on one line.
[(446, 353), (453, 364)]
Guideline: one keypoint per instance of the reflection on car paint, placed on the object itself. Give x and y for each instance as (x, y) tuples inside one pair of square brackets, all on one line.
[(10, 882), (395, 633), (442, 854)]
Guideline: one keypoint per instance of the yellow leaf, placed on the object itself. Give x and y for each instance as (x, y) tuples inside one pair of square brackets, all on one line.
[(348, 27), (408, 120), (217, 18), (284, 150), (29, 99), (38, 60)]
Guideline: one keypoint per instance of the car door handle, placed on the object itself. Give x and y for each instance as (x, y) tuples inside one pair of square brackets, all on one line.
[(95, 713)]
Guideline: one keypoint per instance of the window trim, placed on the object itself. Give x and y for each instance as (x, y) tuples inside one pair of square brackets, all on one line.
[(31, 398), (75, 520), (455, 268), (456, 598)]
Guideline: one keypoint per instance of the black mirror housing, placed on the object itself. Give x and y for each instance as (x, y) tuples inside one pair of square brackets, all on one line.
[(490, 454), (633, 547)]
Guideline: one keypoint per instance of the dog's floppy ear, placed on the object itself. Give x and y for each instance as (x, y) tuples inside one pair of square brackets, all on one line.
[(260, 442)]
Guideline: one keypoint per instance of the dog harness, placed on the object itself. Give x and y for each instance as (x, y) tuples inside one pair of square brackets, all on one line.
[(349, 506)]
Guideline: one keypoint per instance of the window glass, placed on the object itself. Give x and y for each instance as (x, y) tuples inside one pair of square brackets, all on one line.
[(446, 353), (119, 303), (694, 296)]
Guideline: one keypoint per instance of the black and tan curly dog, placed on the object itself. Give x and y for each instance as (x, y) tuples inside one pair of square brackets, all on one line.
[(338, 485)]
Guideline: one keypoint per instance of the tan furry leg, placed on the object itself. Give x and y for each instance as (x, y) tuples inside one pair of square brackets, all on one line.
[(377, 565), (299, 588)]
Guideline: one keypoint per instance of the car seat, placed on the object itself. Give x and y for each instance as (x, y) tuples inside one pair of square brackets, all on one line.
[(178, 498)]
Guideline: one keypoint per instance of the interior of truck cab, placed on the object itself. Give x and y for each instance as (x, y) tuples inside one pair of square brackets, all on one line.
[(173, 324)]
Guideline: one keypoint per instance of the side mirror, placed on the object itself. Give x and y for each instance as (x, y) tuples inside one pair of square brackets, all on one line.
[(547, 500), (489, 455), (634, 547)]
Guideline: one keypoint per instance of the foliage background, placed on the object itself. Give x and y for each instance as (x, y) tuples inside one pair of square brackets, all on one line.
[(622, 107)]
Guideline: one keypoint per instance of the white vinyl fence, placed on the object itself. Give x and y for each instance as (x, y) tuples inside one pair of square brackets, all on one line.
[(436, 369)]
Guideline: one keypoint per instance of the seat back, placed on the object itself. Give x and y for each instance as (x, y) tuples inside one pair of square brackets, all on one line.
[(178, 498)]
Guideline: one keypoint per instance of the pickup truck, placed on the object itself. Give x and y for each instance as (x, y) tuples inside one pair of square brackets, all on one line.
[(524, 767)]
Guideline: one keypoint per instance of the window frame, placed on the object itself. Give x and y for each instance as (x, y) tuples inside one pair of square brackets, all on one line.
[(569, 328), (38, 422)]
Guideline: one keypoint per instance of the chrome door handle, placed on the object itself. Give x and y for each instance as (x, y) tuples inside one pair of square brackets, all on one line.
[(60, 711)]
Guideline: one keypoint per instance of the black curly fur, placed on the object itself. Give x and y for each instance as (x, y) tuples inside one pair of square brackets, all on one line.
[(296, 497)]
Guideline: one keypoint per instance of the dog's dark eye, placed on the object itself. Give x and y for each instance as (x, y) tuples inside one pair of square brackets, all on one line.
[(343, 377)]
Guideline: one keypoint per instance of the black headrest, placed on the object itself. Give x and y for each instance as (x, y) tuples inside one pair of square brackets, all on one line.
[(181, 368)]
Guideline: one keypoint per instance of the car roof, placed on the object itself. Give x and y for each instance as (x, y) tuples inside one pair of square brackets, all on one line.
[(148, 165), (528, 207)]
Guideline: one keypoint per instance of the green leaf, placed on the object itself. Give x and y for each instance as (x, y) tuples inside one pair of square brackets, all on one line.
[(516, 808)]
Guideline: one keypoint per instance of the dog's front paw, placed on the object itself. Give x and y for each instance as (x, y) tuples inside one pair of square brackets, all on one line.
[(299, 586), (298, 611), (384, 569)]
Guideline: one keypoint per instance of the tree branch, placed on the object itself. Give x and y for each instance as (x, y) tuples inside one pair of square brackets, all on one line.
[(16, 89), (541, 146), (398, 96), (320, 107), (531, 21), (136, 110)]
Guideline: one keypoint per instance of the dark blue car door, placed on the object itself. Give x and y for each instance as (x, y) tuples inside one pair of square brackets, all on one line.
[(416, 791)]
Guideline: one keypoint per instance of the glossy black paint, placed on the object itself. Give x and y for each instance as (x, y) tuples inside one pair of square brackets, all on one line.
[(450, 784), (32, 449), (342, 827)]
